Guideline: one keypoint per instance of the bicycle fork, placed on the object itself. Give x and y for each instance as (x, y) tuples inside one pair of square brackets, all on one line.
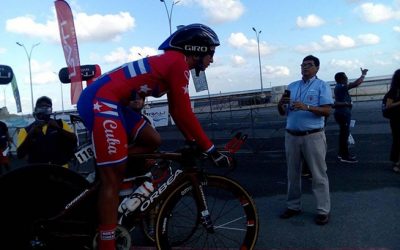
[(205, 217)]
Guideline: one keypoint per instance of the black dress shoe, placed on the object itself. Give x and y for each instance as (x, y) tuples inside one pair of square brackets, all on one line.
[(289, 213), (321, 219)]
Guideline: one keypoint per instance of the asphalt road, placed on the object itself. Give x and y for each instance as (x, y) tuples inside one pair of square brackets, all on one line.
[(365, 196)]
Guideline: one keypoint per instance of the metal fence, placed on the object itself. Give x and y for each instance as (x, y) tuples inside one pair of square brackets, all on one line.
[(221, 116)]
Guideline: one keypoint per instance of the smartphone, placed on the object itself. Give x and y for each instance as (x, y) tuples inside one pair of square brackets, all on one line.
[(286, 93)]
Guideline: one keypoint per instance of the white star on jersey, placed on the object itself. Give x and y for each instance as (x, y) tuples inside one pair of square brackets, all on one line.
[(144, 88), (97, 106), (185, 90)]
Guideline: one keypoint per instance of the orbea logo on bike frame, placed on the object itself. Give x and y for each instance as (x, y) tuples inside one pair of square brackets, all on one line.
[(160, 190), (109, 128)]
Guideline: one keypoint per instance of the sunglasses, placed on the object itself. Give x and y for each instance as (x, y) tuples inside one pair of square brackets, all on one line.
[(307, 65)]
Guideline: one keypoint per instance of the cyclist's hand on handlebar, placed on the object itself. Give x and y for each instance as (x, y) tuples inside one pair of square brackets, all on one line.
[(220, 159)]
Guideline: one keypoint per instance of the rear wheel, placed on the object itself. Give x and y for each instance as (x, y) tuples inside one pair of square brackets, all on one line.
[(232, 211), (33, 193)]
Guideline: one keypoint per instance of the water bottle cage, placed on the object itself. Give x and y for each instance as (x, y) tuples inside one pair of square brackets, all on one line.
[(141, 197)]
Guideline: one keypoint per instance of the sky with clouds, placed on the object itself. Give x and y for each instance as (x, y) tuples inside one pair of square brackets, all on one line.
[(344, 34)]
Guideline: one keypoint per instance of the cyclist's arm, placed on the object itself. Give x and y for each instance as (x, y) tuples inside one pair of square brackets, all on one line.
[(181, 111)]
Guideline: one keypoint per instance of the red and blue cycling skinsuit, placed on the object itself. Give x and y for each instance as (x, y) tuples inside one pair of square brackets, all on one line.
[(101, 104)]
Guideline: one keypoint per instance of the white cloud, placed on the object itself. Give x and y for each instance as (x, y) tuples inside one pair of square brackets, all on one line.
[(240, 41), (120, 55), (396, 56), (396, 28), (141, 52), (27, 25), (340, 42), (375, 13), (345, 65), (3, 50), (102, 27), (238, 60), (116, 56), (328, 43), (42, 73), (368, 39), (310, 21), (219, 11), (276, 71), (382, 62), (88, 27)]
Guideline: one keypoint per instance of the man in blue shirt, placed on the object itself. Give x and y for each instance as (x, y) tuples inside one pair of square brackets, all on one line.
[(309, 101), (343, 105)]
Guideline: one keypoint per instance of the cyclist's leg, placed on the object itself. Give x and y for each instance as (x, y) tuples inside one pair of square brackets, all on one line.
[(147, 140), (108, 201), (111, 148), (143, 138)]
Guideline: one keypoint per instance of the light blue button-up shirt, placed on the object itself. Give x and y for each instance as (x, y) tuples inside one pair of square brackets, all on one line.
[(314, 92)]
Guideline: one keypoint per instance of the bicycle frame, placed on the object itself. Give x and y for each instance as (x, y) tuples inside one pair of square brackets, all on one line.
[(187, 171)]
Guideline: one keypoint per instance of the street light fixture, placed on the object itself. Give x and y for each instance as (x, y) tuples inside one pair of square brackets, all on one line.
[(28, 55), (169, 13), (259, 57)]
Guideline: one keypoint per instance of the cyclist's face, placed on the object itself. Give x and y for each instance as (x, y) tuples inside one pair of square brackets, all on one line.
[(209, 58)]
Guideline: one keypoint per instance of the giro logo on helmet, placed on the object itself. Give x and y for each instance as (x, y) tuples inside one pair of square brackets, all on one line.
[(196, 48)]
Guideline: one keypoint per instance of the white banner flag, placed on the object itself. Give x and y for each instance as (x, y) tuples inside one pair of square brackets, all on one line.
[(159, 115), (200, 82)]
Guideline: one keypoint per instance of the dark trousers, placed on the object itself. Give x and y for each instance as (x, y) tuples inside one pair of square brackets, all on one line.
[(344, 126), (395, 149)]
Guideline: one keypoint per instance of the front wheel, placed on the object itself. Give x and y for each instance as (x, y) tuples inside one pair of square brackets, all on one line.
[(232, 210)]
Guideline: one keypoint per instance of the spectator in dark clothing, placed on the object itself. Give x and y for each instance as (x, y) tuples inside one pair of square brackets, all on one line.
[(343, 105), (5, 145), (393, 102), (46, 140)]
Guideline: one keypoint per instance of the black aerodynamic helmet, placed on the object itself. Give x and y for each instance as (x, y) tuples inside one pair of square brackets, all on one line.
[(195, 39)]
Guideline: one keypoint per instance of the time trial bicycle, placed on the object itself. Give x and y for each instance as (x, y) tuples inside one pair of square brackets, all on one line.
[(50, 207)]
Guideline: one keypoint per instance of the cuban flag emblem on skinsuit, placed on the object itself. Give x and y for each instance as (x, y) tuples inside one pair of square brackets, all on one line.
[(105, 108), (136, 68)]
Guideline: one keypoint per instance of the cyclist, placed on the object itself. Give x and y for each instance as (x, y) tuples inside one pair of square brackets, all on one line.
[(100, 106)]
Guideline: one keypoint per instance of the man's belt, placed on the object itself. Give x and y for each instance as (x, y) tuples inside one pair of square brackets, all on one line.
[(303, 133)]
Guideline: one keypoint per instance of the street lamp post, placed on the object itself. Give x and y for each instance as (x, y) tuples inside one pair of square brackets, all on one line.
[(62, 97), (259, 57), (28, 55), (169, 13)]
